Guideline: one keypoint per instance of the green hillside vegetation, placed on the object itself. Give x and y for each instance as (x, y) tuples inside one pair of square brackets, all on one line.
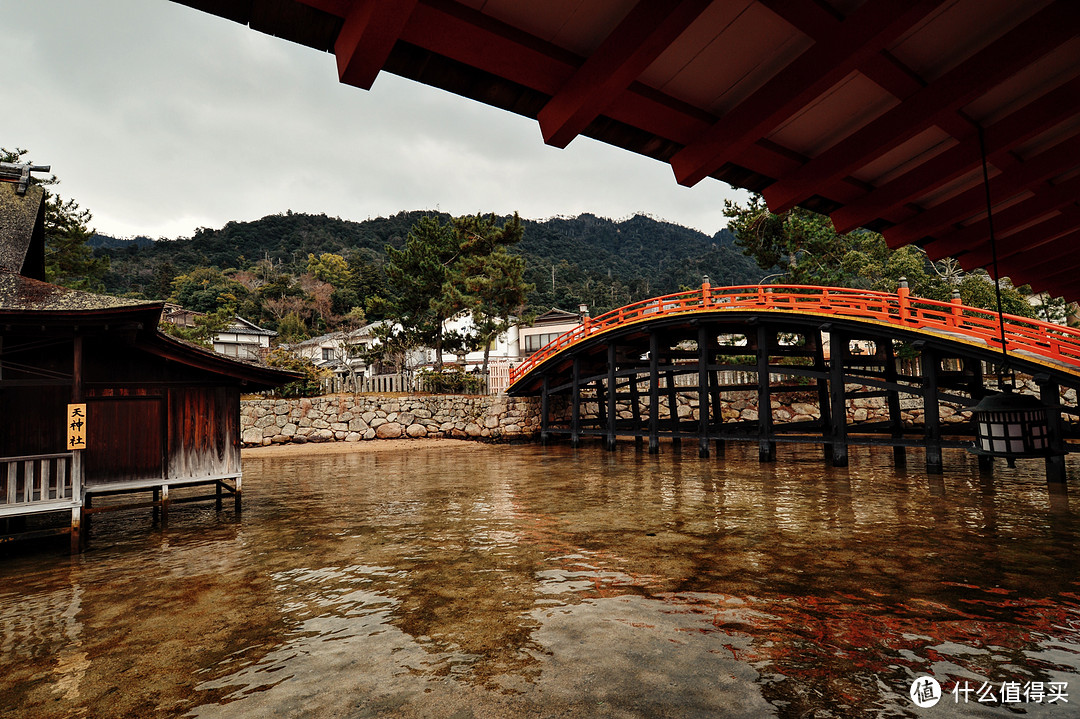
[(263, 268)]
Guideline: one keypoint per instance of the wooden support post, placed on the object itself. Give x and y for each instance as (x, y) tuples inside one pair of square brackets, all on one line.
[(654, 393), (612, 412), (973, 368), (575, 404), (238, 493), (164, 504), (545, 407), (931, 366), (838, 398), (635, 409), (703, 392), (76, 530), (78, 481), (601, 403), (896, 421), (217, 495), (766, 445), (716, 402), (673, 409), (1049, 394), (824, 416)]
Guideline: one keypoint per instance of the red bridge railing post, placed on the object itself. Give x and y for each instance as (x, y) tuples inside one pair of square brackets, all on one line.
[(957, 317), (902, 294)]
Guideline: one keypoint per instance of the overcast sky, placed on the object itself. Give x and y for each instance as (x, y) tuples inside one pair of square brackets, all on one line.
[(160, 119)]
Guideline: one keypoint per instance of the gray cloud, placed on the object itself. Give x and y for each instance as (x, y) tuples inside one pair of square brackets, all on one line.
[(161, 119)]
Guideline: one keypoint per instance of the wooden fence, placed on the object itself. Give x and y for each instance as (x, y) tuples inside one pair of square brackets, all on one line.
[(37, 483)]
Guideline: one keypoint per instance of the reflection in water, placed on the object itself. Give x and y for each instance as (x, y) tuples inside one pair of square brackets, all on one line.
[(529, 581)]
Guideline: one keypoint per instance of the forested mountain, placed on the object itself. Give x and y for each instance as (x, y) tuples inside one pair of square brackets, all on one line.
[(602, 262)]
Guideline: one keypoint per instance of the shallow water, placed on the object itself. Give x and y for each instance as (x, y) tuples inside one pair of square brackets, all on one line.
[(530, 581)]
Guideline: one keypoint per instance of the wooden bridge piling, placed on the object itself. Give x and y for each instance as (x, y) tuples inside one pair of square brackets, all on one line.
[(654, 393), (766, 446), (837, 398), (931, 366), (1049, 393), (892, 400), (575, 404), (703, 391), (612, 415)]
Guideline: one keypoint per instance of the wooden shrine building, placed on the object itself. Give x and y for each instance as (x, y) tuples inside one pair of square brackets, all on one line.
[(159, 412)]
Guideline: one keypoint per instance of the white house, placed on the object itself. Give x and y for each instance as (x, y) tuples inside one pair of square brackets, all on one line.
[(241, 339)]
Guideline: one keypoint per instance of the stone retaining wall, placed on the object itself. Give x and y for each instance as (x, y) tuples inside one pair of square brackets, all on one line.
[(355, 418)]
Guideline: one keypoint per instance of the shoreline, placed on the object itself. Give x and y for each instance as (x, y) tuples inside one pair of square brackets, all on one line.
[(386, 445)]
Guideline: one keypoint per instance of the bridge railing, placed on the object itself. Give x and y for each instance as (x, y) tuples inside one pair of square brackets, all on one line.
[(1043, 339)]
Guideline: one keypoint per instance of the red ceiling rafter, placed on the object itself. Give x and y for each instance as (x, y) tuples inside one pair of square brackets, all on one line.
[(1018, 127), (1036, 267), (975, 235), (1024, 241), (1029, 41), (369, 33), (472, 38), (840, 48), (333, 7), (643, 35), (1020, 178)]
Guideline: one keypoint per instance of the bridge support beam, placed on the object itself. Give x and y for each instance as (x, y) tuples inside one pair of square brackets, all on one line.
[(545, 410), (931, 366), (703, 391), (673, 410), (838, 398), (825, 419), (896, 421), (575, 404), (766, 447), (1055, 463), (654, 393), (635, 409), (612, 414)]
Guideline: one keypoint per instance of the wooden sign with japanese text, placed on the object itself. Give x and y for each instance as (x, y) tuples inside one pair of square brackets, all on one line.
[(76, 426)]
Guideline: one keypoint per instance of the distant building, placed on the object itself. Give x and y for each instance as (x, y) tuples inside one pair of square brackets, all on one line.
[(340, 354), (241, 339), (548, 326)]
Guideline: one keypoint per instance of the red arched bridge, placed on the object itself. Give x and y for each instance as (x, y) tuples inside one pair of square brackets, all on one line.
[(688, 365)]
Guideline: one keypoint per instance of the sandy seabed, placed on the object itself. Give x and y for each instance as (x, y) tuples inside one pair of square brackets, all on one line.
[(366, 447)]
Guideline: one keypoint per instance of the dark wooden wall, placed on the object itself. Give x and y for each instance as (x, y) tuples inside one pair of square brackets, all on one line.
[(125, 437), (204, 432)]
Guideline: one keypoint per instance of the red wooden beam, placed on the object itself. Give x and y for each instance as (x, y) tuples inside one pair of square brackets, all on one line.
[(1016, 128), (479, 41), (975, 236), (837, 51), (334, 7), (1029, 239), (646, 32), (371, 28), (1003, 58), (1036, 267), (1020, 178)]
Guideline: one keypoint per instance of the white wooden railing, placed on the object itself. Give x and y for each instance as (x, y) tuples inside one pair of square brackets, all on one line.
[(37, 483)]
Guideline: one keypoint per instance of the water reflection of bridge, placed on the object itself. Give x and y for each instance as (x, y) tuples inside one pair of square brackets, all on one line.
[(663, 368)]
